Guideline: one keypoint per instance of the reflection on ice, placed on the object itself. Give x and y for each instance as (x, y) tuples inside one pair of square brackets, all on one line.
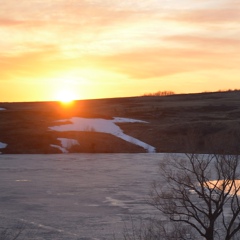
[(22, 180), (233, 187)]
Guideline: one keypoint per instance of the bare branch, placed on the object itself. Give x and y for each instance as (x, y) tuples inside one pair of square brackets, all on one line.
[(199, 190)]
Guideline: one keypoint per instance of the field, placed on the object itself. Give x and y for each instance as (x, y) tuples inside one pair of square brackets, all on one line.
[(201, 123)]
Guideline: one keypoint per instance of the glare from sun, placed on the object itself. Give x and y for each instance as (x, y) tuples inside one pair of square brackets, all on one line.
[(66, 96)]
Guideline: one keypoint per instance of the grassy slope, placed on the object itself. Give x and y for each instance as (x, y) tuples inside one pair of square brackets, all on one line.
[(207, 122)]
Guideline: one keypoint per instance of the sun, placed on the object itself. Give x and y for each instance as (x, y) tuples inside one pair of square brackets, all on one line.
[(66, 96)]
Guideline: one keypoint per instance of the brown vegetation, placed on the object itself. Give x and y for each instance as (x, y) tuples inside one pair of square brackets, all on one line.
[(207, 118)]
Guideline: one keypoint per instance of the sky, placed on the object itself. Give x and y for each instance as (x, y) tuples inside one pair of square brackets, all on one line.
[(117, 48)]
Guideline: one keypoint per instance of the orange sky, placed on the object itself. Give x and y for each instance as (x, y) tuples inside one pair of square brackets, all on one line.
[(117, 48)]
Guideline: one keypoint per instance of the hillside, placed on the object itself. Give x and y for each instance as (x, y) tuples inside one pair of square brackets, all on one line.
[(204, 123)]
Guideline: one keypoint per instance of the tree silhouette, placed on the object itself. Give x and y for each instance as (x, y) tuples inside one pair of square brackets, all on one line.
[(199, 198)]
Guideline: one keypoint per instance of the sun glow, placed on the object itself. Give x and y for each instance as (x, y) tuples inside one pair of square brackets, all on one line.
[(66, 96)]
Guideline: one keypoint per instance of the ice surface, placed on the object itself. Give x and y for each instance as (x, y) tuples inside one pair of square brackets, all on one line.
[(103, 125), (76, 196)]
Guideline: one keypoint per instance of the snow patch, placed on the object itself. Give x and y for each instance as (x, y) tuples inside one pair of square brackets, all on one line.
[(66, 143), (127, 120), (63, 150), (104, 126), (2, 145), (115, 202)]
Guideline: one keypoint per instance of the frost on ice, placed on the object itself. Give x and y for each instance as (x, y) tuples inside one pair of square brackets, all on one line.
[(105, 126)]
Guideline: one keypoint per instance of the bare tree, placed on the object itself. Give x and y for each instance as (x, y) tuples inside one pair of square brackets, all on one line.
[(12, 233), (198, 196), (159, 93)]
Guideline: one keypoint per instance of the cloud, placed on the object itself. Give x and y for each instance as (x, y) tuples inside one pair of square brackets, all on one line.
[(83, 26), (139, 63), (214, 44), (206, 16), (71, 12), (139, 39), (160, 62), (38, 63), (10, 22)]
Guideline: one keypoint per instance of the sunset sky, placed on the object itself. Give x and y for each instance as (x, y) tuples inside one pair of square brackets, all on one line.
[(117, 48)]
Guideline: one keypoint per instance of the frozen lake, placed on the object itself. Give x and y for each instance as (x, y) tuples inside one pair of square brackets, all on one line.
[(75, 196)]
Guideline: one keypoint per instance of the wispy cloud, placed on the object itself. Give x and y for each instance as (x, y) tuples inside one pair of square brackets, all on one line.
[(220, 44), (6, 22), (160, 62), (207, 16)]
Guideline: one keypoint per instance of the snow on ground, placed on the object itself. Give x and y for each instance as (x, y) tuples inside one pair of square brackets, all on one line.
[(2, 145), (105, 126), (66, 143), (127, 120), (63, 150), (1, 109)]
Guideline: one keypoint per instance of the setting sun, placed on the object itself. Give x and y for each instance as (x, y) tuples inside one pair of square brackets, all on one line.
[(65, 96), (173, 46)]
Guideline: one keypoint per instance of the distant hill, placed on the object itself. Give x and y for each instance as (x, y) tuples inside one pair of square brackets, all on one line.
[(203, 123)]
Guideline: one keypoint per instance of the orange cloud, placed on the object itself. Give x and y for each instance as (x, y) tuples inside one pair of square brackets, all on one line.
[(206, 41), (138, 64), (30, 64), (128, 39), (226, 46), (159, 62), (206, 16), (9, 22)]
